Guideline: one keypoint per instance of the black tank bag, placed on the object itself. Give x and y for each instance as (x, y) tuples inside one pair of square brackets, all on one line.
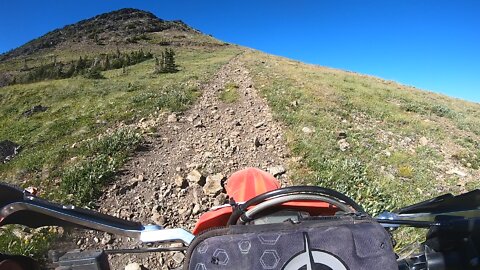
[(334, 243)]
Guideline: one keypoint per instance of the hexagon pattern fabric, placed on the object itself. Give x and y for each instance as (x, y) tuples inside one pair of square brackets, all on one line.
[(336, 244)]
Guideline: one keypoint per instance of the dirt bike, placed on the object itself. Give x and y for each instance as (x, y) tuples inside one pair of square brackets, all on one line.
[(265, 226)]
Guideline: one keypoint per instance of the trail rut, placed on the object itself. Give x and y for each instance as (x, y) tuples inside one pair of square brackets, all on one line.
[(213, 137)]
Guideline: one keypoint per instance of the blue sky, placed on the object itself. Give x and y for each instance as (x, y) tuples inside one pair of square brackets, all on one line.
[(430, 44)]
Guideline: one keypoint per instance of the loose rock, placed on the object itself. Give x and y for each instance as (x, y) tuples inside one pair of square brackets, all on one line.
[(307, 130), (196, 209), (172, 118), (107, 239), (343, 145), (276, 170), (198, 124), (181, 182), (178, 257), (213, 184), (196, 177), (133, 266), (259, 124), (423, 141), (457, 172), (156, 216)]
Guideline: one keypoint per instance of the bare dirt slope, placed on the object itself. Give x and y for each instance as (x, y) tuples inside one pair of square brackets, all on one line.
[(161, 185)]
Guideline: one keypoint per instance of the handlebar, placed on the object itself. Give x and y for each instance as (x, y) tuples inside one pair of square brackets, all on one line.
[(453, 240)]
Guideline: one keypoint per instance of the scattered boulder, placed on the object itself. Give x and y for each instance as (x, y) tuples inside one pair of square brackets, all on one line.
[(130, 184), (178, 257), (134, 266), (80, 242), (456, 172), (181, 182), (192, 117), (107, 239), (196, 209), (172, 118), (213, 184), (33, 110), (259, 124), (198, 124), (423, 141), (8, 150), (406, 141), (156, 216), (343, 145), (194, 166), (307, 130), (277, 170), (196, 177)]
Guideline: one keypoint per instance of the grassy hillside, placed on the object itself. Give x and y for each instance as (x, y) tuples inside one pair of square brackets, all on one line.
[(80, 108), (91, 126), (385, 144), (74, 148)]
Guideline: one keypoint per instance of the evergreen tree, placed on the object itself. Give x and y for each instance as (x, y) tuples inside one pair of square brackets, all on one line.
[(160, 64), (106, 64), (71, 70), (81, 65), (170, 65), (166, 62)]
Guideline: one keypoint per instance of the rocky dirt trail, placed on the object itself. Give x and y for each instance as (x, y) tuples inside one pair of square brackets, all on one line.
[(182, 171)]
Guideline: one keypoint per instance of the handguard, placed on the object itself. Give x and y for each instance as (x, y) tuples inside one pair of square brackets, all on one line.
[(21, 207)]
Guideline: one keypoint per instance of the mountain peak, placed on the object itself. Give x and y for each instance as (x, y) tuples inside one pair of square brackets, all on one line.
[(117, 26)]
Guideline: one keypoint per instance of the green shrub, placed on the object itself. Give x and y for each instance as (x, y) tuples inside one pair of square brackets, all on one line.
[(142, 97), (33, 244), (177, 98), (94, 74), (468, 159), (414, 107), (405, 171), (442, 111), (86, 179), (121, 141)]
